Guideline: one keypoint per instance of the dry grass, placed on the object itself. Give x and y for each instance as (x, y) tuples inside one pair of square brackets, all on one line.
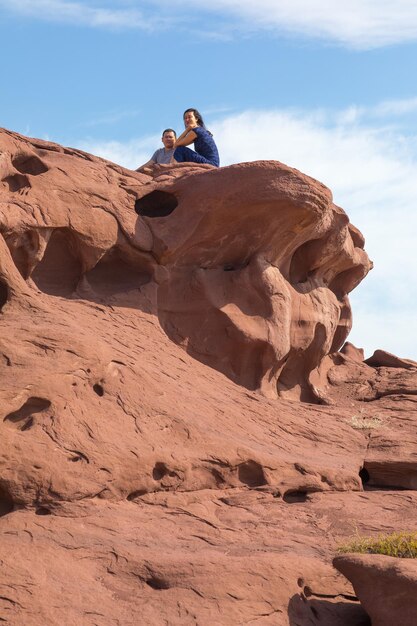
[(365, 422), (401, 544)]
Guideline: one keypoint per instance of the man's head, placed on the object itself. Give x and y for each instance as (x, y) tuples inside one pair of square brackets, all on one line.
[(168, 138)]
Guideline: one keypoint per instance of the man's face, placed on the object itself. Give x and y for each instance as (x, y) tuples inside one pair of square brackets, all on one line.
[(168, 139)]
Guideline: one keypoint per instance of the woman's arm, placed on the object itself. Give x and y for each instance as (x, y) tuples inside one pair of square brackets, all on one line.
[(187, 137), (183, 134)]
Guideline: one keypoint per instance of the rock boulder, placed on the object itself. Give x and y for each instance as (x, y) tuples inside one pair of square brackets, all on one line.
[(386, 586)]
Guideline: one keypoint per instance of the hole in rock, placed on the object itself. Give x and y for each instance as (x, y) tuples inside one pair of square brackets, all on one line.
[(156, 204), (252, 474), (136, 494), (301, 265), (32, 405), (16, 182), (160, 471), (59, 271), (364, 476), (344, 282), (117, 276), (6, 502), (300, 582), (28, 424), (43, 510), (22, 250), (156, 582), (29, 164), (4, 294), (21, 260), (389, 475), (292, 497), (217, 476), (307, 261), (98, 390)]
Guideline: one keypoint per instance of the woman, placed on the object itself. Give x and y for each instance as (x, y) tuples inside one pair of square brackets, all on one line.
[(196, 133)]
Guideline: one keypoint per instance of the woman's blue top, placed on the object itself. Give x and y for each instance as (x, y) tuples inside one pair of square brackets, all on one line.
[(204, 145)]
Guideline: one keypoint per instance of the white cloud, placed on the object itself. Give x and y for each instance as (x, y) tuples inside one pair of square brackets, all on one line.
[(391, 331), (130, 154), (396, 107), (372, 171), (355, 23), (359, 24), (82, 14)]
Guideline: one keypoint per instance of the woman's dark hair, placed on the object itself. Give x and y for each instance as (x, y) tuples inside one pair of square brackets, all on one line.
[(198, 116)]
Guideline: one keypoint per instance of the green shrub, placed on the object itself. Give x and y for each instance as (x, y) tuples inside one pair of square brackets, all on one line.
[(402, 545)]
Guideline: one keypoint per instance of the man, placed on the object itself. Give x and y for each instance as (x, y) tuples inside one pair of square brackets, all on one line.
[(163, 155)]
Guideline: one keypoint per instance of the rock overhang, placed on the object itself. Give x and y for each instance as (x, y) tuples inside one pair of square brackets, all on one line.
[(253, 262)]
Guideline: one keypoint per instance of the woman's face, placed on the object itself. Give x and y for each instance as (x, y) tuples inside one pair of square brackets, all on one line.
[(190, 119)]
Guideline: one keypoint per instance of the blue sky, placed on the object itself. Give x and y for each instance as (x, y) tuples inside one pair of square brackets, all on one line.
[(329, 91)]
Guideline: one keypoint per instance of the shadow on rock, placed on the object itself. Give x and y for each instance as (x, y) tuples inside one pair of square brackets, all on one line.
[(328, 612)]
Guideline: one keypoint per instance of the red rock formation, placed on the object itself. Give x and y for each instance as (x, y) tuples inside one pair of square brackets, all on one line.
[(138, 485), (253, 262), (380, 358), (385, 585)]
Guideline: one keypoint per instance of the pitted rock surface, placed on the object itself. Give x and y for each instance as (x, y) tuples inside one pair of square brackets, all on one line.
[(158, 335)]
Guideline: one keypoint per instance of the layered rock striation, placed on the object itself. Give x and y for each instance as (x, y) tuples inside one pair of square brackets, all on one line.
[(139, 485)]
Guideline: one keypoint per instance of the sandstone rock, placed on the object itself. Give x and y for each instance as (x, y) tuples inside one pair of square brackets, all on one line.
[(386, 586), (351, 351), (259, 249), (380, 358), (139, 485)]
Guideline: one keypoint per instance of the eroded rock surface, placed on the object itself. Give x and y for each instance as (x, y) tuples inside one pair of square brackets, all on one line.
[(136, 483), (252, 262)]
